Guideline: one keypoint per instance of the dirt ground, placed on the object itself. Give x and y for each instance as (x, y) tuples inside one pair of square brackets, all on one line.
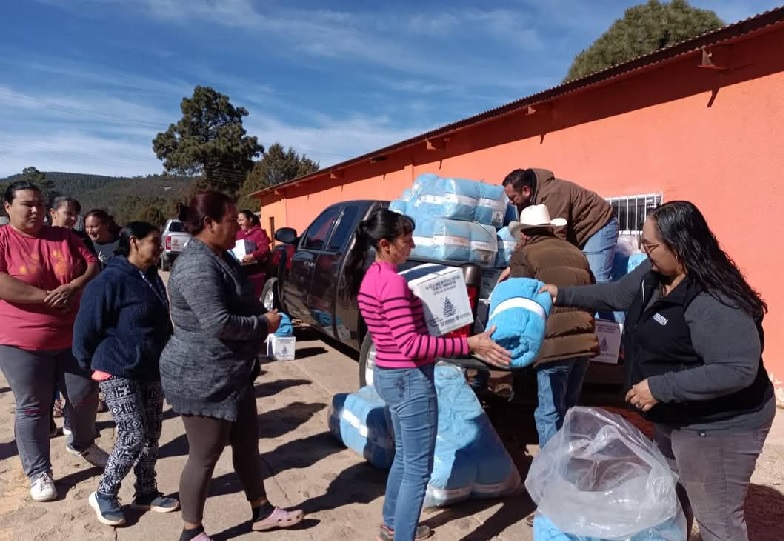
[(340, 492)]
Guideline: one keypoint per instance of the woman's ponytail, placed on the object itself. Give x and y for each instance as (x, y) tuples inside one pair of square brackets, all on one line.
[(355, 262), (382, 224)]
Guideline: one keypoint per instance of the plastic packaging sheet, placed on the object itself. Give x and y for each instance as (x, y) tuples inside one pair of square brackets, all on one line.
[(600, 477)]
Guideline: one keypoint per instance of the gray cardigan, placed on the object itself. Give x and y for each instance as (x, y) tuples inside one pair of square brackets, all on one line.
[(219, 329)]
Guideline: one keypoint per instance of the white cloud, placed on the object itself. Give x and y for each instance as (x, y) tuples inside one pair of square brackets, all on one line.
[(106, 135)]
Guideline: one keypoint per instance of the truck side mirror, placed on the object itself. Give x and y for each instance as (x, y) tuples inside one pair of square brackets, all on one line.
[(286, 235)]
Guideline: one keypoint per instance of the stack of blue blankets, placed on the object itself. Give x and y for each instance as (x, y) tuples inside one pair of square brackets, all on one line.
[(451, 240), (456, 219), (519, 313)]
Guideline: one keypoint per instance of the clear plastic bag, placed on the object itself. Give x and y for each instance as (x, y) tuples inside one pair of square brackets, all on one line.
[(600, 477)]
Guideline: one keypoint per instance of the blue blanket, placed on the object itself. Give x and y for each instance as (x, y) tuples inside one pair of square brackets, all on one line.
[(361, 422), (470, 460), (286, 328), (519, 313)]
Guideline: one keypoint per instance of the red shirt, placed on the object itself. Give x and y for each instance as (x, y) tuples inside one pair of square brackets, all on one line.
[(53, 258)]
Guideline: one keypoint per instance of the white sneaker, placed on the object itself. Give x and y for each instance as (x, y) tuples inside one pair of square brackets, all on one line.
[(93, 454), (42, 488)]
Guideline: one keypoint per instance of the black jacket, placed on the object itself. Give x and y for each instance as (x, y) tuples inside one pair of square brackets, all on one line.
[(702, 356), (123, 322)]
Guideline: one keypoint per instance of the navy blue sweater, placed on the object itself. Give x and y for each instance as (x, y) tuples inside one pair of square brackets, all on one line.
[(122, 325)]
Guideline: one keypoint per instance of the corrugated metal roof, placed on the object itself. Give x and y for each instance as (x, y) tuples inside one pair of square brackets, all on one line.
[(725, 34)]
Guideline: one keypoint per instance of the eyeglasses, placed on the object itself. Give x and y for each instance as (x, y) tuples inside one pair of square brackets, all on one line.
[(648, 247)]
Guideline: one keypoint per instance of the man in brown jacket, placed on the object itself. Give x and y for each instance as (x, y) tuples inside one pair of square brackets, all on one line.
[(591, 222), (570, 337)]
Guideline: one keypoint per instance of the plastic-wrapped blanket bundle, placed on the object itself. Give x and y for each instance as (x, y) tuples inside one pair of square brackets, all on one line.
[(600, 479), (470, 459), (401, 204), (457, 199), (506, 247), (360, 421), (452, 240), (519, 313)]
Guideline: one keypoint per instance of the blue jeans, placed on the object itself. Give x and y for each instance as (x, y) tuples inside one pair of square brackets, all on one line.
[(599, 249), (410, 395), (559, 384)]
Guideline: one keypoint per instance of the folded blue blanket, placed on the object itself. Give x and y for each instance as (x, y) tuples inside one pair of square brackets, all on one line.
[(519, 313), (286, 328)]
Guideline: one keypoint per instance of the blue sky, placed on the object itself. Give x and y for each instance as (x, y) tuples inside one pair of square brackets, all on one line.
[(86, 84)]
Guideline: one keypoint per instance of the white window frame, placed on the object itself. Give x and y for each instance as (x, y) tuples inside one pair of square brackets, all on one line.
[(630, 225)]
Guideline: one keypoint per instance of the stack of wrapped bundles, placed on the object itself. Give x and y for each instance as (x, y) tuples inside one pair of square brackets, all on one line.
[(458, 199), (456, 219), (452, 240)]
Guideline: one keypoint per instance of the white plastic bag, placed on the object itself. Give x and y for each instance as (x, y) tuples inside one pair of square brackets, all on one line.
[(599, 476)]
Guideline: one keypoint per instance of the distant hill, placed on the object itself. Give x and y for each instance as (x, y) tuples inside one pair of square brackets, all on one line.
[(152, 198)]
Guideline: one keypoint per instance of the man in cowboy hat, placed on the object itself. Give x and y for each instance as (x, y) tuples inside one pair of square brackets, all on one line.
[(570, 337), (592, 225)]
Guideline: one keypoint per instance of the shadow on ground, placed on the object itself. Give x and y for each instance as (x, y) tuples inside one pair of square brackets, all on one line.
[(276, 423), (360, 483), (273, 387), (764, 513)]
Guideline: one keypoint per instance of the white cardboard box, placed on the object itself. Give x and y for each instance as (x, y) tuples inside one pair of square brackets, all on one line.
[(281, 348), (609, 335), (444, 297)]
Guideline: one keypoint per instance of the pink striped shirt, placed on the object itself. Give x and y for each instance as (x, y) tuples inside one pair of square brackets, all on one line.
[(395, 319)]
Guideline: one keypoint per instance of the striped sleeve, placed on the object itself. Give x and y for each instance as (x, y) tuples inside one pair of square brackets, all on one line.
[(397, 306)]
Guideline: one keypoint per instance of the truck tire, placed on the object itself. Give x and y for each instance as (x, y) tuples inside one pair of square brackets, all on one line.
[(270, 295), (165, 265), (367, 361)]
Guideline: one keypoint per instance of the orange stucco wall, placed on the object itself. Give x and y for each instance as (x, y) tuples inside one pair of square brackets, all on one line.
[(713, 137)]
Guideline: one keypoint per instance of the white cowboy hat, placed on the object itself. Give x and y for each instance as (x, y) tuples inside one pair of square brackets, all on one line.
[(534, 216)]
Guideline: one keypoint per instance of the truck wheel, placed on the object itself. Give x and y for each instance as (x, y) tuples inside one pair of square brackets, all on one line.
[(367, 361), (165, 265), (270, 296)]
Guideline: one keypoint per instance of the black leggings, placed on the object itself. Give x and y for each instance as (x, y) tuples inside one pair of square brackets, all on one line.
[(207, 438)]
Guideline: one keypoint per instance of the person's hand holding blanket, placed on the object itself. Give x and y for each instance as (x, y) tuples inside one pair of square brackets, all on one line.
[(486, 349)]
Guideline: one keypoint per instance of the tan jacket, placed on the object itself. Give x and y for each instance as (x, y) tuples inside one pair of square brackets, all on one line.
[(570, 332), (585, 211)]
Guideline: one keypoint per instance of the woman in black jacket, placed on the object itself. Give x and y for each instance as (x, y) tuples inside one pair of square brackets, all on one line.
[(693, 345), (120, 331)]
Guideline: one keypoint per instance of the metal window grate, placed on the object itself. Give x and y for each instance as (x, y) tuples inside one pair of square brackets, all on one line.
[(632, 211)]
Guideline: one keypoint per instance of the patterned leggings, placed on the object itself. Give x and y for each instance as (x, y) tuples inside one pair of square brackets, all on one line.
[(137, 410)]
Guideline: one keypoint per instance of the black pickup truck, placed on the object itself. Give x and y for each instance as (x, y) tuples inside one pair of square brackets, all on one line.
[(306, 281)]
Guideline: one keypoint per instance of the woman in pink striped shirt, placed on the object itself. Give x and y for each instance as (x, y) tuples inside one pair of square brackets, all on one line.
[(405, 357)]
